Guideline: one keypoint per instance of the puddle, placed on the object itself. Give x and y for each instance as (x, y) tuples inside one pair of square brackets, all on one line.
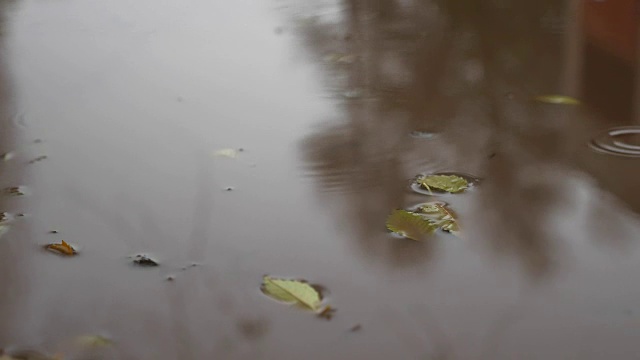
[(619, 141)]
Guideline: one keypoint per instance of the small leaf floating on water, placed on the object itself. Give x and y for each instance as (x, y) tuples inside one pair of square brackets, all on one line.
[(7, 156), (327, 313), (297, 292), (5, 217), (441, 216), (63, 248), (28, 355), (39, 158), (93, 341), (230, 153), (410, 225), (557, 99), (15, 190), (144, 260), (448, 183)]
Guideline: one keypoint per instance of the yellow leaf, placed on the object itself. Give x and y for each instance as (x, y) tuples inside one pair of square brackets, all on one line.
[(93, 341), (63, 248), (230, 153), (448, 183), (557, 99), (291, 291), (3, 230), (410, 225)]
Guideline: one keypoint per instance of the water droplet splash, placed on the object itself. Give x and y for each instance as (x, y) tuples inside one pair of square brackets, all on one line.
[(618, 141)]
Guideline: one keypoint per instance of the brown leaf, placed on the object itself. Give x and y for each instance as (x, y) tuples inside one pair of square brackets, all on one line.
[(63, 248)]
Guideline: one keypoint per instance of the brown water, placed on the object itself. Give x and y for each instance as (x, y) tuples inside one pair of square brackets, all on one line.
[(336, 106)]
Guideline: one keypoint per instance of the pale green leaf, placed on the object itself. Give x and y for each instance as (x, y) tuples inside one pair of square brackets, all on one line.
[(558, 99), (441, 216), (448, 183), (230, 153), (93, 341), (292, 291), (7, 156), (411, 225)]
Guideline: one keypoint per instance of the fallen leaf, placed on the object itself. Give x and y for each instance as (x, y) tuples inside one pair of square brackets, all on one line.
[(7, 156), (63, 248), (410, 225), (449, 183), (327, 313), (292, 292), (5, 217), (441, 216), (144, 260), (557, 99), (230, 153), (340, 58), (15, 190), (29, 355), (39, 158), (93, 341)]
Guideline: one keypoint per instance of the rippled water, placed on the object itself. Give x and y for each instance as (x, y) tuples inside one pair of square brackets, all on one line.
[(619, 141), (124, 121)]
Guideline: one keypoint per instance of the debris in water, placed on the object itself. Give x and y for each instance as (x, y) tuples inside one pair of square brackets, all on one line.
[(144, 260), (327, 313), (53, 232), (63, 248), (298, 292), (229, 188), (410, 225), (449, 183), (230, 153), (356, 328), (170, 278), (93, 341), (39, 158), (557, 99), (7, 156), (15, 190), (5, 217)]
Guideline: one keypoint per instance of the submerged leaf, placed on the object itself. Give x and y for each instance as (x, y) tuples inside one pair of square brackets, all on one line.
[(327, 313), (15, 190), (557, 99), (410, 225), (7, 156), (93, 341), (448, 183), (63, 248), (144, 260), (230, 153), (291, 291), (5, 217)]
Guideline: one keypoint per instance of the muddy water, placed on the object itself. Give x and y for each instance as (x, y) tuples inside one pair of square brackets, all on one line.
[(335, 106)]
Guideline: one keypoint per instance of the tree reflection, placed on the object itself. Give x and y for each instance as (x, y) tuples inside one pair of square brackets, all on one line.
[(465, 70)]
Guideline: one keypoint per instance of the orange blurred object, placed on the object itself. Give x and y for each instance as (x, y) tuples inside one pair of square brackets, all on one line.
[(613, 26)]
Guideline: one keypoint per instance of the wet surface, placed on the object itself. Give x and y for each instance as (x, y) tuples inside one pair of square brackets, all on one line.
[(115, 113)]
